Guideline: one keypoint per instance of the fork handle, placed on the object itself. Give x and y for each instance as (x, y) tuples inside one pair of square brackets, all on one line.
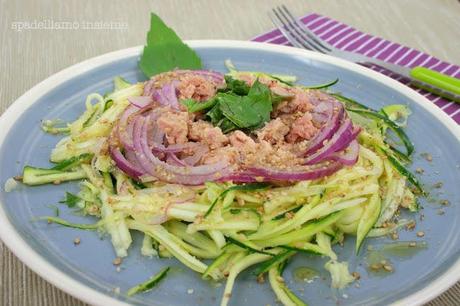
[(436, 79)]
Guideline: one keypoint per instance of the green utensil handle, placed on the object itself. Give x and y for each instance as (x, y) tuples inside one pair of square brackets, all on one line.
[(437, 79)]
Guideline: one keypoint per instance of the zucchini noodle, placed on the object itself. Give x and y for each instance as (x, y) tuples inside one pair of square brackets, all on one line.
[(236, 228)]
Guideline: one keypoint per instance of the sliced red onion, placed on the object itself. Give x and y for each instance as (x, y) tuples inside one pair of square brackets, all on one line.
[(172, 159), (166, 96), (197, 155), (140, 101), (339, 141), (125, 165), (306, 173), (241, 177), (329, 128), (124, 134), (349, 156), (165, 172)]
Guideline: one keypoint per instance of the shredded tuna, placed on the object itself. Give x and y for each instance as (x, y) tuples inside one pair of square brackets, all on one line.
[(205, 132), (240, 140), (175, 126), (281, 142), (302, 128), (228, 153), (274, 131), (196, 87)]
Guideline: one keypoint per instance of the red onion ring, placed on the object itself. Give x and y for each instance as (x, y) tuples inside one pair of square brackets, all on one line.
[(330, 127), (339, 141), (349, 156), (140, 101), (165, 172)]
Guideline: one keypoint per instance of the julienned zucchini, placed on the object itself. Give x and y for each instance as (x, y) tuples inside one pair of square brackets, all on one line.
[(73, 162), (247, 187), (39, 176), (404, 171), (274, 261), (393, 126), (350, 102), (368, 220), (150, 283), (325, 85), (247, 246), (282, 292)]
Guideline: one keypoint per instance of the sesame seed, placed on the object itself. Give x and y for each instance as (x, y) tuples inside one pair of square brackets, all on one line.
[(375, 267), (427, 156), (412, 244), (419, 170), (260, 279), (411, 225), (356, 275), (420, 234), (444, 202), (190, 291), (388, 268), (76, 241), (117, 261)]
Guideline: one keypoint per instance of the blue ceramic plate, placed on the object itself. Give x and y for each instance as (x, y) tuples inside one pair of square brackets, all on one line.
[(86, 271)]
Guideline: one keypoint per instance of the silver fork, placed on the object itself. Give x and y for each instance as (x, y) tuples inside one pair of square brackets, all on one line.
[(300, 36)]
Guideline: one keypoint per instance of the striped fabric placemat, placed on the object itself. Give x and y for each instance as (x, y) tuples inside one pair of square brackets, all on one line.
[(347, 38)]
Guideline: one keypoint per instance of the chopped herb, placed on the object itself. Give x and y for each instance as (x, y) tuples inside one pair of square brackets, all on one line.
[(194, 106), (165, 51), (232, 111), (238, 87), (150, 283), (239, 111), (70, 200)]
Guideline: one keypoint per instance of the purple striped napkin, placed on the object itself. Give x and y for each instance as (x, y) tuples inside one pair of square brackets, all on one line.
[(347, 38)]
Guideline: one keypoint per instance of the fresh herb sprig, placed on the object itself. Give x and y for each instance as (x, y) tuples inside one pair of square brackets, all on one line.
[(165, 51)]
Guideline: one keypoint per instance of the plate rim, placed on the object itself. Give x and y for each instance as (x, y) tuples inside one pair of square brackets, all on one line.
[(53, 275)]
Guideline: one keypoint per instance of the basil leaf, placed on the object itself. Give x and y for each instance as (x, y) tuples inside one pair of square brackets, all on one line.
[(165, 51)]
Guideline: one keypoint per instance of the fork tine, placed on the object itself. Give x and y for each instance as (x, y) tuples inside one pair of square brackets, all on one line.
[(280, 26), (287, 31), (295, 32), (307, 34)]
